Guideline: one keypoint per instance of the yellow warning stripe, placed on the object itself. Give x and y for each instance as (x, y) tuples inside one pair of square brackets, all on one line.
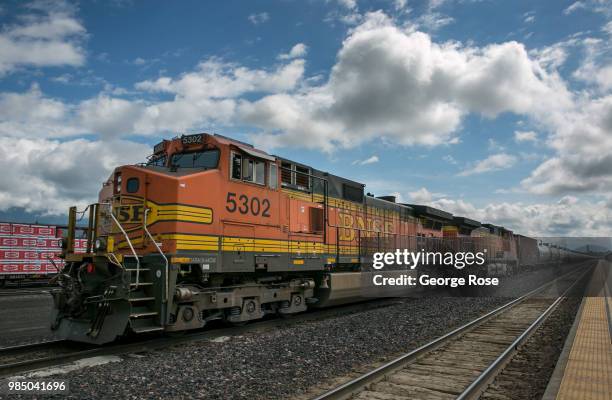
[(171, 212), (211, 243)]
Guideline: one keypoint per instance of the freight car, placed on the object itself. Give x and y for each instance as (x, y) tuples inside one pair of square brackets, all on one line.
[(213, 228), (30, 252)]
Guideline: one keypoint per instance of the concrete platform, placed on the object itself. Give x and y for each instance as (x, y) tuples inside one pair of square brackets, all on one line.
[(585, 370)]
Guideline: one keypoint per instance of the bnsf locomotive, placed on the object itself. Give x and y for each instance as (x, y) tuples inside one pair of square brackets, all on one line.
[(213, 228)]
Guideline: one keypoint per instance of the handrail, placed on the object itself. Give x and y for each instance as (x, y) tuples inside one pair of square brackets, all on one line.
[(158, 249), (129, 242)]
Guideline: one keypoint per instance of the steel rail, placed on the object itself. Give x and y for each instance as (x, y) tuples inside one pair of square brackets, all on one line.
[(23, 292), (29, 346), (351, 387), (482, 381)]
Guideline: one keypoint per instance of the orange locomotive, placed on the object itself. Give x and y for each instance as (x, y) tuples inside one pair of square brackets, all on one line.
[(212, 228)]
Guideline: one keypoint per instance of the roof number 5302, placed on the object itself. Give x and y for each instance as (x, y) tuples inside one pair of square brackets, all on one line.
[(244, 205)]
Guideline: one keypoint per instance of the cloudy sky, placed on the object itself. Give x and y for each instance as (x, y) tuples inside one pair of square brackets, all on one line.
[(496, 110)]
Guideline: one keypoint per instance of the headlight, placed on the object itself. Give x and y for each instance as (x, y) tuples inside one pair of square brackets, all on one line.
[(100, 245)]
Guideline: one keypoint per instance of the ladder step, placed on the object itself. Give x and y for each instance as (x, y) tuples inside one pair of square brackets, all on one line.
[(147, 329), (143, 314), (142, 284), (135, 299)]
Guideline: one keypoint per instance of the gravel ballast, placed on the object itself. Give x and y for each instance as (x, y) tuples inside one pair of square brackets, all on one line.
[(277, 364), (282, 363)]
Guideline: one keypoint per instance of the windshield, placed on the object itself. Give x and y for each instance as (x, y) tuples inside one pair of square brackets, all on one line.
[(158, 162), (206, 159)]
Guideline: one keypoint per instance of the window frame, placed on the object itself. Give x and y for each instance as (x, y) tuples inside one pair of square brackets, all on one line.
[(288, 167), (272, 177), (192, 153), (245, 161), (232, 155), (130, 181)]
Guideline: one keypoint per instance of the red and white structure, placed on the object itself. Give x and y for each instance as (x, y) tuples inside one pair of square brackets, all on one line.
[(30, 250)]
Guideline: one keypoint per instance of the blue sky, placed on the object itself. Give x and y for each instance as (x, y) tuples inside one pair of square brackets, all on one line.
[(487, 108)]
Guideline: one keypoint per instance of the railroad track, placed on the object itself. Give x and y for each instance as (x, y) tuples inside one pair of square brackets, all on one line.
[(460, 364), (34, 356), (21, 292)]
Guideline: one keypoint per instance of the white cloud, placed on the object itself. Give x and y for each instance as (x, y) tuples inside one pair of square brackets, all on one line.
[(370, 160), (349, 4), (59, 174), (216, 79), (573, 7), (493, 145), (399, 4), (494, 162), (569, 216), (45, 37), (421, 196), (297, 51), (597, 6), (583, 144), (525, 136), (259, 18), (551, 57), (110, 117), (450, 159), (388, 81), (202, 98), (401, 85), (596, 65), (432, 21), (31, 114)]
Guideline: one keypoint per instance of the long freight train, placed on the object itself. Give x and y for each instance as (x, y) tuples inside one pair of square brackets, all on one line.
[(213, 228)]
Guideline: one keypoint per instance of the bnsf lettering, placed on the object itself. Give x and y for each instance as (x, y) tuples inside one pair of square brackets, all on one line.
[(244, 205), (368, 227), (129, 213)]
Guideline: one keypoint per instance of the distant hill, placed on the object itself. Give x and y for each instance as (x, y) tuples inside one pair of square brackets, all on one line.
[(593, 248)]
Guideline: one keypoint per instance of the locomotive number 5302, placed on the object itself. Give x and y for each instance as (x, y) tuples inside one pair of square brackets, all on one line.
[(244, 205)]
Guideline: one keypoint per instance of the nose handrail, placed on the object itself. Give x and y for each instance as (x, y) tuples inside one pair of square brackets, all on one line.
[(158, 249), (129, 242)]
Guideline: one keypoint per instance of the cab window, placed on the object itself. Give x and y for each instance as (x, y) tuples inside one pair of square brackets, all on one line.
[(295, 176), (236, 166), (273, 179), (207, 159), (248, 169), (159, 161)]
